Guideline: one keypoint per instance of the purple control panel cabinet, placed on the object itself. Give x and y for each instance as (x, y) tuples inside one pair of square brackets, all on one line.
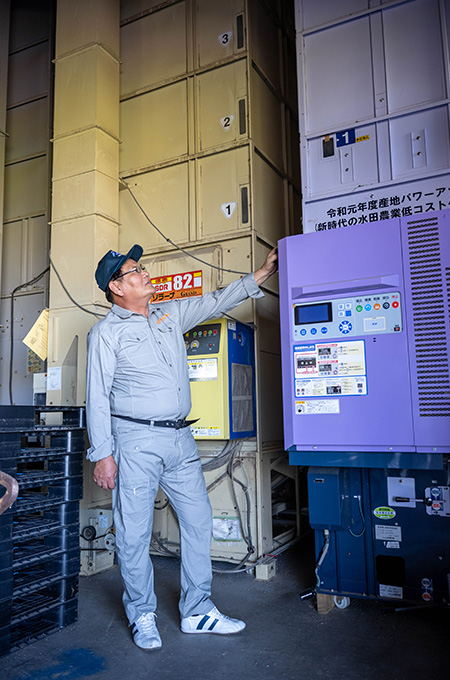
[(365, 329)]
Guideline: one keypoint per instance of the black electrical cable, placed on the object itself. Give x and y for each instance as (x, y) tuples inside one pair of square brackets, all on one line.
[(166, 238), (11, 354), (84, 309)]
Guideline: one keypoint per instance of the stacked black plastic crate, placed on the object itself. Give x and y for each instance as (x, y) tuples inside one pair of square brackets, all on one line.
[(39, 534)]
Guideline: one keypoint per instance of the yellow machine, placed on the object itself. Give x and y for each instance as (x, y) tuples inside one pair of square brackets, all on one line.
[(221, 360)]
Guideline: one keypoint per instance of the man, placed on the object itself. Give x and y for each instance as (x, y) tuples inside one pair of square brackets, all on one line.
[(137, 401)]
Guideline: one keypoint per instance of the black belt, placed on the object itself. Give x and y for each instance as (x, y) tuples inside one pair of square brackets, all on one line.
[(175, 424)]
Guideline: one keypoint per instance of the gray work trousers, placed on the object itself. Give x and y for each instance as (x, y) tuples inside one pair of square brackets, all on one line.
[(148, 457)]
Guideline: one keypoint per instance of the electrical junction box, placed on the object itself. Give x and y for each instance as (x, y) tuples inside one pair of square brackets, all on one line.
[(325, 486), (221, 361)]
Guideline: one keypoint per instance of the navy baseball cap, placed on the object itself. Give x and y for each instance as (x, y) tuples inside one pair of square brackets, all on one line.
[(113, 261)]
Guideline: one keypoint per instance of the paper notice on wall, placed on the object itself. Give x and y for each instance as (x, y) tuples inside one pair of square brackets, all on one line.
[(36, 339), (226, 529)]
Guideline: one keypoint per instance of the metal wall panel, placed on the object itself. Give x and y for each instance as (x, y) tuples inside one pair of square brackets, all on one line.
[(84, 194), (28, 75), (87, 91), (222, 105), (265, 43), (217, 35), (28, 130), (388, 66), (338, 76), (88, 150), (414, 60), (132, 8), (293, 148), (420, 142), (26, 311), (318, 12), (81, 24), (154, 127), (30, 23), (26, 188), (164, 195), (267, 125), (144, 42), (76, 265), (221, 207), (268, 201), (26, 244), (348, 166)]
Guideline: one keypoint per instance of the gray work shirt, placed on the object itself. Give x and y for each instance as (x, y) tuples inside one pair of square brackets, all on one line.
[(136, 366)]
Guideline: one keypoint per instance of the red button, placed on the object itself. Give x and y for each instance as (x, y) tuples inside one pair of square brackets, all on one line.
[(396, 304)]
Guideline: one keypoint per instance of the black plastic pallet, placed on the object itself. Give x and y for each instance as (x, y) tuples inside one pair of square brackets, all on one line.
[(39, 533)]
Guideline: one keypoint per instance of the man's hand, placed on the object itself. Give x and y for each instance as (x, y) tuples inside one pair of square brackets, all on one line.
[(269, 267), (105, 472)]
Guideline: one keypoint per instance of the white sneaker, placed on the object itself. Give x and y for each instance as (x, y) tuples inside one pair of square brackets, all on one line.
[(212, 622), (145, 633)]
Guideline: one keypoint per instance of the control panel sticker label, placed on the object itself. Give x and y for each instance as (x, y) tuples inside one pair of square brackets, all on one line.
[(213, 432), (328, 369), (384, 532), (317, 406), (393, 545), (203, 369), (395, 592), (384, 512)]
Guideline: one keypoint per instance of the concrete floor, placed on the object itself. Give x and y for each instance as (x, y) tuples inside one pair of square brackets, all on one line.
[(285, 638)]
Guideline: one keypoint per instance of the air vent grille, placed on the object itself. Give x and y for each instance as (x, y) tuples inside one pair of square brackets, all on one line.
[(429, 318)]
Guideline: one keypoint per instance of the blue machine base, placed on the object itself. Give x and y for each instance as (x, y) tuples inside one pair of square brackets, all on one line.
[(369, 459)]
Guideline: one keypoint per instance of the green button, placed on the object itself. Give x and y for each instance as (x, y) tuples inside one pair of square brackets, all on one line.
[(359, 308)]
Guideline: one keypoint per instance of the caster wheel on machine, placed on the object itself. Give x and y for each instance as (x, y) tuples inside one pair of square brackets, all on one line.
[(341, 602)]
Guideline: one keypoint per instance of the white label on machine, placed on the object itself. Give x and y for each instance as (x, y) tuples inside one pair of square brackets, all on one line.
[(384, 532), (206, 432), (226, 529), (394, 545), (395, 592), (330, 386), (203, 369), (54, 378), (327, 369), (317, 406)]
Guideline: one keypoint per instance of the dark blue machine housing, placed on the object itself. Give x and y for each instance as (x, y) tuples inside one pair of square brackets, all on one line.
[(241, 379)]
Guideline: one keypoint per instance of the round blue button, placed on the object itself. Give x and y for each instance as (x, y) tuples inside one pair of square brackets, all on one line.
[(324, 330), (313, 331), (303, 331), (368, 308)]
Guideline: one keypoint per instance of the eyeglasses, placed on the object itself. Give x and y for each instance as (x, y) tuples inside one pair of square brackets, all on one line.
[(138, 269)]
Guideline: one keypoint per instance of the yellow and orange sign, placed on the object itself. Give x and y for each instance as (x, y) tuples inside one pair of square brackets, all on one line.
[(178, 286)]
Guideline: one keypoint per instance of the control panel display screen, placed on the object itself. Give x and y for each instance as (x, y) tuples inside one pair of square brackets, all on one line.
[(318, 313)]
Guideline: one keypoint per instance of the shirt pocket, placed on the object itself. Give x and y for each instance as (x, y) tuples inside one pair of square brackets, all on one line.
[(136, 351), (173, 339)]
